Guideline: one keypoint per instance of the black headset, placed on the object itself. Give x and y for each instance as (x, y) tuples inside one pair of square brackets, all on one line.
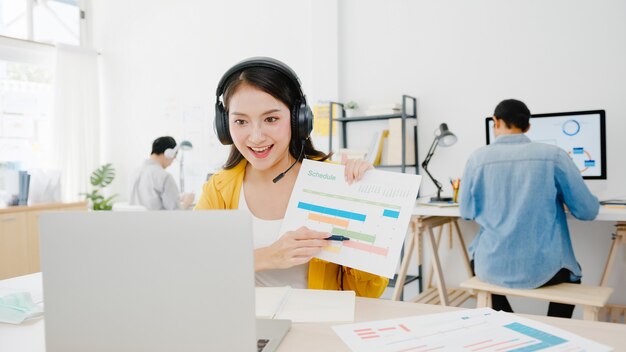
[(301, 114)]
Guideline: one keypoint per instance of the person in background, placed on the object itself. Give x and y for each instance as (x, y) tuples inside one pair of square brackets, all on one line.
[(517, 190), (152, 186), (265, 117)]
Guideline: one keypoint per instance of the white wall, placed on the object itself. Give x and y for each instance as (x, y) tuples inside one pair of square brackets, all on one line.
[(460, 58), (161, 61)]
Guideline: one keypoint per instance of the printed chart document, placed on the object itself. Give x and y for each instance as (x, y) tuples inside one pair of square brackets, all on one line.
[(483, 330), (303, 305), (373, 212)]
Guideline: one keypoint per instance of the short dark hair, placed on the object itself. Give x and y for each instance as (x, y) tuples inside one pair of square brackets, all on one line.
[(514, 113), (162, 143), (281, 87)]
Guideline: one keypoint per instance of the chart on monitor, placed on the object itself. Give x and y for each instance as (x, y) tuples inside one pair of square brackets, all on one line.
[(581, 134)]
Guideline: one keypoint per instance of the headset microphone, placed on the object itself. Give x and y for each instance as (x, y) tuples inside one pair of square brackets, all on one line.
[(282, 174)]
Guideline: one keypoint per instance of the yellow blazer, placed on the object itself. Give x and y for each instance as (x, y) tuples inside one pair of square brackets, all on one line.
[(222, 191)]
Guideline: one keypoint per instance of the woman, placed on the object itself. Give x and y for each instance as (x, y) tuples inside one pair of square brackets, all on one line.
[(265, 116)]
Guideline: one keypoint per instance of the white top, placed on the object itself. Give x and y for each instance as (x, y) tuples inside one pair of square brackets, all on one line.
[(264, 233), (154, 188)]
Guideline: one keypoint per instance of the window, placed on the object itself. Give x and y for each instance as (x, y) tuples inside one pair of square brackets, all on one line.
[(26, 95), (46, 21), (13, 19)]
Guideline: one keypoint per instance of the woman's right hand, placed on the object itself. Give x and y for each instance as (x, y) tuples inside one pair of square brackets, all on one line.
[(291, 249)]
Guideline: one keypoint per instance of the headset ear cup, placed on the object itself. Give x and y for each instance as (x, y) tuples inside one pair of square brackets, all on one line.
[(221, 124), (171, 153), (295, 123), (301, 121), (305, 121)]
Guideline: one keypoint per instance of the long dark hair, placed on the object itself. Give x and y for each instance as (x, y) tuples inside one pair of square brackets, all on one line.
[(280, 87)]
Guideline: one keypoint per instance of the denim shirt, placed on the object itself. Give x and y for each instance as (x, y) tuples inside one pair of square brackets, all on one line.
[(515, 190)]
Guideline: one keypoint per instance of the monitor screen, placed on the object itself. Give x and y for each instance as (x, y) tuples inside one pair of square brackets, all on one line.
[(581, 134)]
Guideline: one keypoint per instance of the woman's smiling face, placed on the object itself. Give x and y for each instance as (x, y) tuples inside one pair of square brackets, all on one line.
[(260, 126)]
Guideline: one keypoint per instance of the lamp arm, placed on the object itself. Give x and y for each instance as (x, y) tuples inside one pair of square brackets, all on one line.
[(431, 151)]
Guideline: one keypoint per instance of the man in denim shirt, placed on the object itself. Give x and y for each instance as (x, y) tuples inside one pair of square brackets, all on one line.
[(516, 191)]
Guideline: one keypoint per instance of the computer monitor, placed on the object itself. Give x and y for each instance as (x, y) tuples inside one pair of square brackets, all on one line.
[(581, 134)]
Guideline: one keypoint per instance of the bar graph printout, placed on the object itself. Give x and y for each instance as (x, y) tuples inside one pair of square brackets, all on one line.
[(474, 330), (373, 212)]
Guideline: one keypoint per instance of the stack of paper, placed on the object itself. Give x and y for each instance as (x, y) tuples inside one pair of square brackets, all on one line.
[(483, 330), (303, 305)]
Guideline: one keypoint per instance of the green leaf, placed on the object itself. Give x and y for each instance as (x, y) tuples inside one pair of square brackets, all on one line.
[(103, 176), (100, 178)]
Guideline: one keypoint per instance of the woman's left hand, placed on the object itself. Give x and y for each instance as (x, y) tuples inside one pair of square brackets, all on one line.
[(355, 169)]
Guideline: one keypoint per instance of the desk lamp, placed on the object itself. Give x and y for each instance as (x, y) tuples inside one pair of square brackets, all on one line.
[(184, 145), (444, 138)]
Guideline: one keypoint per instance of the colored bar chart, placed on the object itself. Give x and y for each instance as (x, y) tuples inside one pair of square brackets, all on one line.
[(354, 235), (368, 333), (366, 247), (331, 211), (352, 199), (391, 213), (373, 213), (328, 220)]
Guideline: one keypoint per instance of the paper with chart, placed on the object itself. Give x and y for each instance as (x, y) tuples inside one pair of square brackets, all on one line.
[(483, 330), (373, 212)]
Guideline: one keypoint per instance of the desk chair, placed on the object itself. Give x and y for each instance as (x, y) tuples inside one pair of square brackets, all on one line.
[(438, 294), (591, 298)]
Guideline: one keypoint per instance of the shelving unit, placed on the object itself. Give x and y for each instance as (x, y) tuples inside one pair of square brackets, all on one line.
[(404, 115), (407, 103)]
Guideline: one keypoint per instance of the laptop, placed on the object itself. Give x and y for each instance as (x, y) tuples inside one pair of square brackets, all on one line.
[(151, 281)]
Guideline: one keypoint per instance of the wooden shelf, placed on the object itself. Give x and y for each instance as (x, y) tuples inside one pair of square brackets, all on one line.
[(373, 118)]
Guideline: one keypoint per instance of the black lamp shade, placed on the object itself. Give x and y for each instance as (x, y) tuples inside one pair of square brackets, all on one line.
[(446, 138)]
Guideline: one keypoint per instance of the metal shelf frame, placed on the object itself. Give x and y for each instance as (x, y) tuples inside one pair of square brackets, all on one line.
[(408, 102)]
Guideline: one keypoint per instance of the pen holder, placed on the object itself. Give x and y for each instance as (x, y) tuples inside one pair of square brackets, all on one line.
[(456, 183)]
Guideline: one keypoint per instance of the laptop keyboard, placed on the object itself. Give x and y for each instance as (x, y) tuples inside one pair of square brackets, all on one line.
[(261, 343)]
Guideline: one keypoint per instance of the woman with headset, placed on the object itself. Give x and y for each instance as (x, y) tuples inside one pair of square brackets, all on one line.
[(265, 117)]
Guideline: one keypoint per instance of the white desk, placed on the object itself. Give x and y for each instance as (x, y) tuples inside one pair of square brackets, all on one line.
[(426, 218), (605, 214), (29, 337)]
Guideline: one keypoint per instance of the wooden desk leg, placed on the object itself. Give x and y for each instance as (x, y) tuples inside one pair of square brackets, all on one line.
[(441, 284), (617, 239), (450, 239), (483, 299), (590, 313), (408, 253), (462, 248), (429, 277), (466, 260)]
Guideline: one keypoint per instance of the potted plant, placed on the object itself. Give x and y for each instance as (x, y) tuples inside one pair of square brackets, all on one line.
[(350, 108), (100, 178)]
